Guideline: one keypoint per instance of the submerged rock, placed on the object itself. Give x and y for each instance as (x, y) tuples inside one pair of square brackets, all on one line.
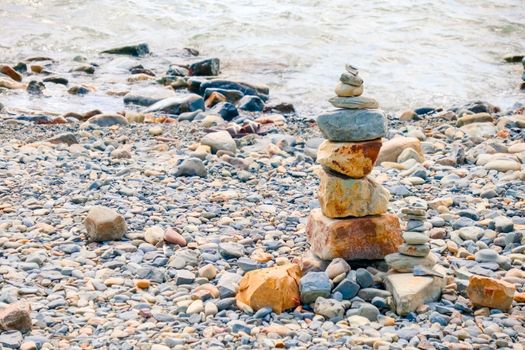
[(138, 50)]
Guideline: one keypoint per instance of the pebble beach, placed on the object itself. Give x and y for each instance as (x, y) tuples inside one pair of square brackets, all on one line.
[(203, 179)]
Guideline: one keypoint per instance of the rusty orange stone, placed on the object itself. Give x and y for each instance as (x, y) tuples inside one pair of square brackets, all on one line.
[(276, 287), (354, 159), (369, 238), (490, 292), (344, 197)]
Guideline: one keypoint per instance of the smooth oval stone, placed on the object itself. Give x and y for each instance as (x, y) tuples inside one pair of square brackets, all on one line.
[(415, 238), (405, 263), (344, 125), (358, 102), (346, 90), (420, 250)]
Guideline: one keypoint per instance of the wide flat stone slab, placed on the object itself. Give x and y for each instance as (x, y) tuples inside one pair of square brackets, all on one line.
[(359, 102), (354, 159), (366, 238), (409, 291), (347, 125), (342, 197)]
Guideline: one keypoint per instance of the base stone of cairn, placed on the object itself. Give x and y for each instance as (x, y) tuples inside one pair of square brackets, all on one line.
[(352, 222), (414, 278)]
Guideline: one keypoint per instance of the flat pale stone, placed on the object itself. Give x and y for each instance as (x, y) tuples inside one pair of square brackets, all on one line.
[(479, 130), (409, 291), (104, 224), (368, 238), (474, 118), (415, 237), (350, 125), (343, 197), (405, 263), (358, 102), (220, 140), (346, 90), (354, 159), (490, 292), (517, 148), (420, 250), (392, 148), (503, 165)]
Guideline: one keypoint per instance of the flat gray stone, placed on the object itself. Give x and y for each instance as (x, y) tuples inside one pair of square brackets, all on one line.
[(178, 104), (357, 102), (346, 125)]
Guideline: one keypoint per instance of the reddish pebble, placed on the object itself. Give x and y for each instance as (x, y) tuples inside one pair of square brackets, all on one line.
[(172, 236)]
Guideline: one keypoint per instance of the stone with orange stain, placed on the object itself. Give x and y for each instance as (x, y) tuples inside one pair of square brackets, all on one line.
[(214, 98), (519, 297), (10, 72), (343, 197), (276, 287), (369, 238), (354, 159), (490, 292)]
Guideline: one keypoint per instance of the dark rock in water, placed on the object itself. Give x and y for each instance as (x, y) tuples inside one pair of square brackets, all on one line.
[(131, 50), (191, 167), (194, 84), (208, 67), (178, 104), (425, 110), (104, 120), (345, 125), (78, 90), (251, 104), (283, 107), (481, 107), (20, 67), (177, 71), (226, 110), (514, 58), (245, 88), (88, 69), (148, 95), (141, 70), (35, 87), (66, 138), (231, 95), (56, 80), (191, 51), (38, 119)]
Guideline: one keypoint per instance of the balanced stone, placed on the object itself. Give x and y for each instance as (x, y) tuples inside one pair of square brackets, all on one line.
[(370, 237), (405, 263), (358, 102), (415, 237), (420, 250), (344, 125), (351, 79), (346, 90), (342, 197), (354, 159)]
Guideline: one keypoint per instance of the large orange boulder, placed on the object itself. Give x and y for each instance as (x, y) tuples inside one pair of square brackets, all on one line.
[(393, 148), (354, 159), (342, 197), (276, 287), (370, 237), (490, 292)]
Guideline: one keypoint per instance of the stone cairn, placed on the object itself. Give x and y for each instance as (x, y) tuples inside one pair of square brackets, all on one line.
[(415, 251), (352, 223)]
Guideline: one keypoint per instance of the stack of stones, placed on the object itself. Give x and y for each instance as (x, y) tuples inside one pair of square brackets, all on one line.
[(415, 251), (352, 222)]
